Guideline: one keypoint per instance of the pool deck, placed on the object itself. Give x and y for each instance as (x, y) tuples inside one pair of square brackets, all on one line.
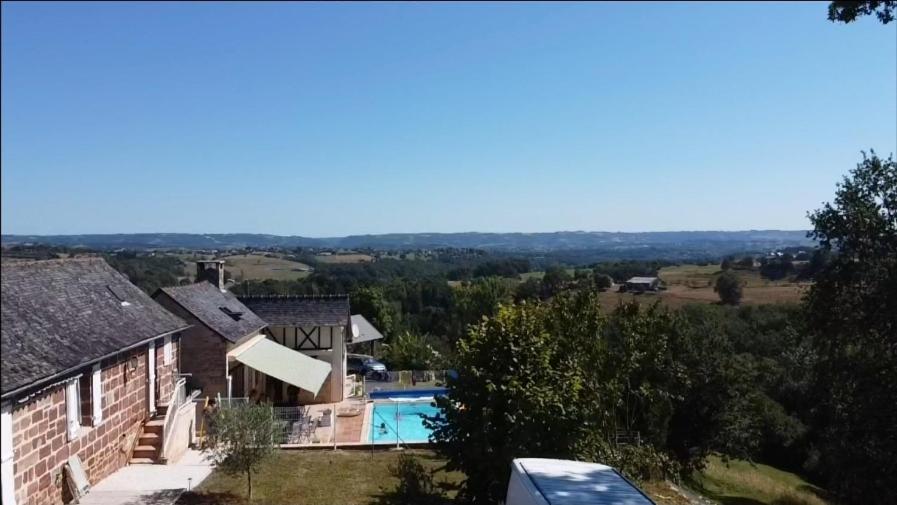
[(350, 432)]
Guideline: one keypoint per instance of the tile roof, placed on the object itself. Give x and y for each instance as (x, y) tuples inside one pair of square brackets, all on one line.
[(326, 310), (211, 306), (61, 314)]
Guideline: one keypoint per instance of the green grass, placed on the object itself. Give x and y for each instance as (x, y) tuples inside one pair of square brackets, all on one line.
[(259, 267), (317, 477), (742, 483)]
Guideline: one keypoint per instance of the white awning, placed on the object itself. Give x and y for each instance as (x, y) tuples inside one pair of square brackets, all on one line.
[(283, 363)]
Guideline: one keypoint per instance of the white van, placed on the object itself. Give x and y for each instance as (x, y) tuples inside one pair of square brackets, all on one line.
[(536, 481)]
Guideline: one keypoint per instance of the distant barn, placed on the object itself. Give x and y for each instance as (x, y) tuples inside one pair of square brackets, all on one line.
[(642, 284)]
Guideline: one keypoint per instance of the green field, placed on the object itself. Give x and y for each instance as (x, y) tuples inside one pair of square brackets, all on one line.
[(742, 483), (344, 258), (259, 267)]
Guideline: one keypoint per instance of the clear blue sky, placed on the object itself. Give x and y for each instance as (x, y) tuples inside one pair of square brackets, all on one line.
[(333, 119)]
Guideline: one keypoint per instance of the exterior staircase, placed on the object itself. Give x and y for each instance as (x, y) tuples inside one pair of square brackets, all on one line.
[(149, 445)]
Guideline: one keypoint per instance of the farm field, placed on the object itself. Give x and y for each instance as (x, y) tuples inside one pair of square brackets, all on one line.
[(694, 284), (260, 267), (345, 258)]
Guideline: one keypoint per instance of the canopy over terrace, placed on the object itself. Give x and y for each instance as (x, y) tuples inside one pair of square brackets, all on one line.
[(282, 363)]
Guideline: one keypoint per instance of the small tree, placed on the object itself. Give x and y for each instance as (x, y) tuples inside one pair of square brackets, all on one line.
[(241, 439), (728, 287), (603, 281)]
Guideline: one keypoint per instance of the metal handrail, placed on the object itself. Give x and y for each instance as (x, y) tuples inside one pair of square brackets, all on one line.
[(178, 396)]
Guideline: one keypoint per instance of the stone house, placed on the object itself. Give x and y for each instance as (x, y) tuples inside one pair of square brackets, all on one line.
[(89, 360), (219, 323), (232, 351)]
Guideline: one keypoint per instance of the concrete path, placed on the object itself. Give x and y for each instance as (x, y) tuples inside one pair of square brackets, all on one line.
[(150, 484)]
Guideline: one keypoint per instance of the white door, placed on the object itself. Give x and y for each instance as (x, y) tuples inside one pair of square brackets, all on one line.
[(6, 458), (151, 377)]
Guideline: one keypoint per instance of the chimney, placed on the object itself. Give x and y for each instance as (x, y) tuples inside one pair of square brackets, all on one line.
[(211, 271)]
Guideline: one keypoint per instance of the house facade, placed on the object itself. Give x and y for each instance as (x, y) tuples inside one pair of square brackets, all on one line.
[(89, 360), (219, 324), (318, 327), (233, 352)]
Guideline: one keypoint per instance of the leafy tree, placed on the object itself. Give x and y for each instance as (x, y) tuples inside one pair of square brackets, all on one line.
[(847, 11), (371, 303), (410, 351), (473, 300), (726, 264), (728, 287), (559, 379), (602, 281), (241, 439), (529, 289), (553, 281), (852, 317)]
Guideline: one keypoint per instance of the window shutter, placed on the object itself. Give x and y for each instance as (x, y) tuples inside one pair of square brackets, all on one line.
[(96, 389), (72, 408), (166, 350)]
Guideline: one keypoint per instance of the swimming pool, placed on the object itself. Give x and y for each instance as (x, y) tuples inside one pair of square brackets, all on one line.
[(404, 419)]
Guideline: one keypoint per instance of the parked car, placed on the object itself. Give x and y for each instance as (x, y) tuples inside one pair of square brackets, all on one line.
[(366, 366)]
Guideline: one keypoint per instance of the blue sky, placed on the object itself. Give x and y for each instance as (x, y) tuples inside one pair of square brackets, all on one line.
[(333, 119)]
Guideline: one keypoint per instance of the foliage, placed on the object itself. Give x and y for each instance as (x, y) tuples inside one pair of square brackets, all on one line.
[(474, 300), (554, 281), (410, 351), (602, 281), (509, 267), (847, 11), (241, 439), (852, 317), (146, 271), (416, 484), (559, 379), (371, 303), (728, 286)]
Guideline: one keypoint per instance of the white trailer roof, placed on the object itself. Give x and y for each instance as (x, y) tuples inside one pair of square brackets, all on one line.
[(563, 482)]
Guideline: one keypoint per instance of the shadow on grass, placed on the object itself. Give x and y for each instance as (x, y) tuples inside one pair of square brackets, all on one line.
[(193, 498)]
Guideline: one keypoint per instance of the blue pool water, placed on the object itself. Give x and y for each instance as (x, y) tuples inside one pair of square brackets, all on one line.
[(403, 418)]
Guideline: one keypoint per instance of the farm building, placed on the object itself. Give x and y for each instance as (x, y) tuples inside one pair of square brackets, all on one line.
[(641, 284)]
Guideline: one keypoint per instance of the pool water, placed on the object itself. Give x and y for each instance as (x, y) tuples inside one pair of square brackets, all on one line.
[(402, 418)]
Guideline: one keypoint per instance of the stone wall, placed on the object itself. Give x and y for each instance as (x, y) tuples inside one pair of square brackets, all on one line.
[(40, 441), (203, 352)]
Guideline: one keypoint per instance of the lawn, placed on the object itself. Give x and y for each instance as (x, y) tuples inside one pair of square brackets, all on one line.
[(317, 477), (742, 483), (260, 267)]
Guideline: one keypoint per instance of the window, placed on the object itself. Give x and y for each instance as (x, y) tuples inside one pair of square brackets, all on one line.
[(73, 408), (166, 350)]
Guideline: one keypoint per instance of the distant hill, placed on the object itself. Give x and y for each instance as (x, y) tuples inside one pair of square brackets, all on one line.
[(706, 241)]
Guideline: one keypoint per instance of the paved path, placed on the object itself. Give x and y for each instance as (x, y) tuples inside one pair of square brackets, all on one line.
[(150, 484)]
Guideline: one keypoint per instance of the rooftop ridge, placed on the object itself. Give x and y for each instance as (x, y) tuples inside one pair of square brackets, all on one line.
[(297, 297), (55, 261)]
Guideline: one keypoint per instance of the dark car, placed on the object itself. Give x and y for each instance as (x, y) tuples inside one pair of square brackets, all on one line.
[(366, 366)]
